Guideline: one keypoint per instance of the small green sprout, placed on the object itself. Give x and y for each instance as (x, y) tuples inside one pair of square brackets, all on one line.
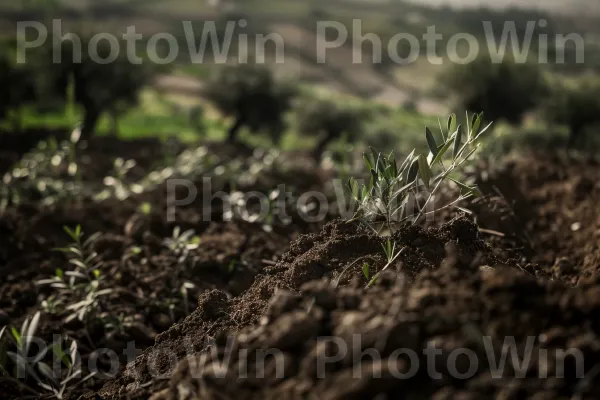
[(77, 291), (366, 271), (20, 367), (182, 243), (232, 266), (145, 208), (389, 248)]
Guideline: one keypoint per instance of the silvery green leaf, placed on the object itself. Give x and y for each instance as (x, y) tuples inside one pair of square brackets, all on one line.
[(91, 239), (433, 147), (367, 161), (73, 352), (75, 251), (452, 121), (482, 132), (365, 270), (466, 189), (45, 281), (76, 274), (58, 352), (424, 170), (441, 151), (476, 124), (457, 142), (78, 263), (407, 161), (70, 317), (47, 372), (32, 328), (413, 171)]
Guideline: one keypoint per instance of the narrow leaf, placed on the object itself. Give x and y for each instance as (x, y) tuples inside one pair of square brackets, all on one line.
[(441, 152), (70, 232), (476, 124), (466, 189), (365, 270), (413, 171), (33, 325), (424, 170), (482, 132), (433, 147), (452, 121), (408, 160), (457, 142), (46, 371)]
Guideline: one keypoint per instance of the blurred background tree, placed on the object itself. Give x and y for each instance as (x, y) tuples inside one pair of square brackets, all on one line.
[(253, 97), (99, 87), (503, 91), (329, 120), (17, 86), (576, 106)]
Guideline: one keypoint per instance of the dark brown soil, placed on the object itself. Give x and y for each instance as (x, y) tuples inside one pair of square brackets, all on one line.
[(449, 309), (147, 286), (311, 257), (551, 205), (531, 270), (449, 287)]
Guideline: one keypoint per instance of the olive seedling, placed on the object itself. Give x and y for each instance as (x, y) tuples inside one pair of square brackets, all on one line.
[(181, 243), (384, 201), (394, 191), (17, 363), (78, 290)]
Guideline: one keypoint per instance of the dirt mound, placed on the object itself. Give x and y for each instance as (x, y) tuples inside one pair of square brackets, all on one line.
[(355, 344), (328, 253)]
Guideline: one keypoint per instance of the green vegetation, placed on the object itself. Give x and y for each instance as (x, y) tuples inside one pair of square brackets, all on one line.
[(390, 198), (253, 98), (329, 120), (98, 87), (17, 362), (503, 91), (392, 195), (575, 106), (78, 290)]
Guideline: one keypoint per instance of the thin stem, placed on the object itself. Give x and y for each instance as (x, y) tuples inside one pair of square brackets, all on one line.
[(374, 279)]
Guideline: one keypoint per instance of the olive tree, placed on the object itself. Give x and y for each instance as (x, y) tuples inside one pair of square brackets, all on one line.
[(253, 97), (506, 90), (329, 120), (17, 85), (100, 87), (575, 106)]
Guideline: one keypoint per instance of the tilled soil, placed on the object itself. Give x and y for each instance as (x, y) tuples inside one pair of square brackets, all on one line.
[(311, 257), (352, 344), (147, 282), (529, 273), (550, 202), (450, 289)]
